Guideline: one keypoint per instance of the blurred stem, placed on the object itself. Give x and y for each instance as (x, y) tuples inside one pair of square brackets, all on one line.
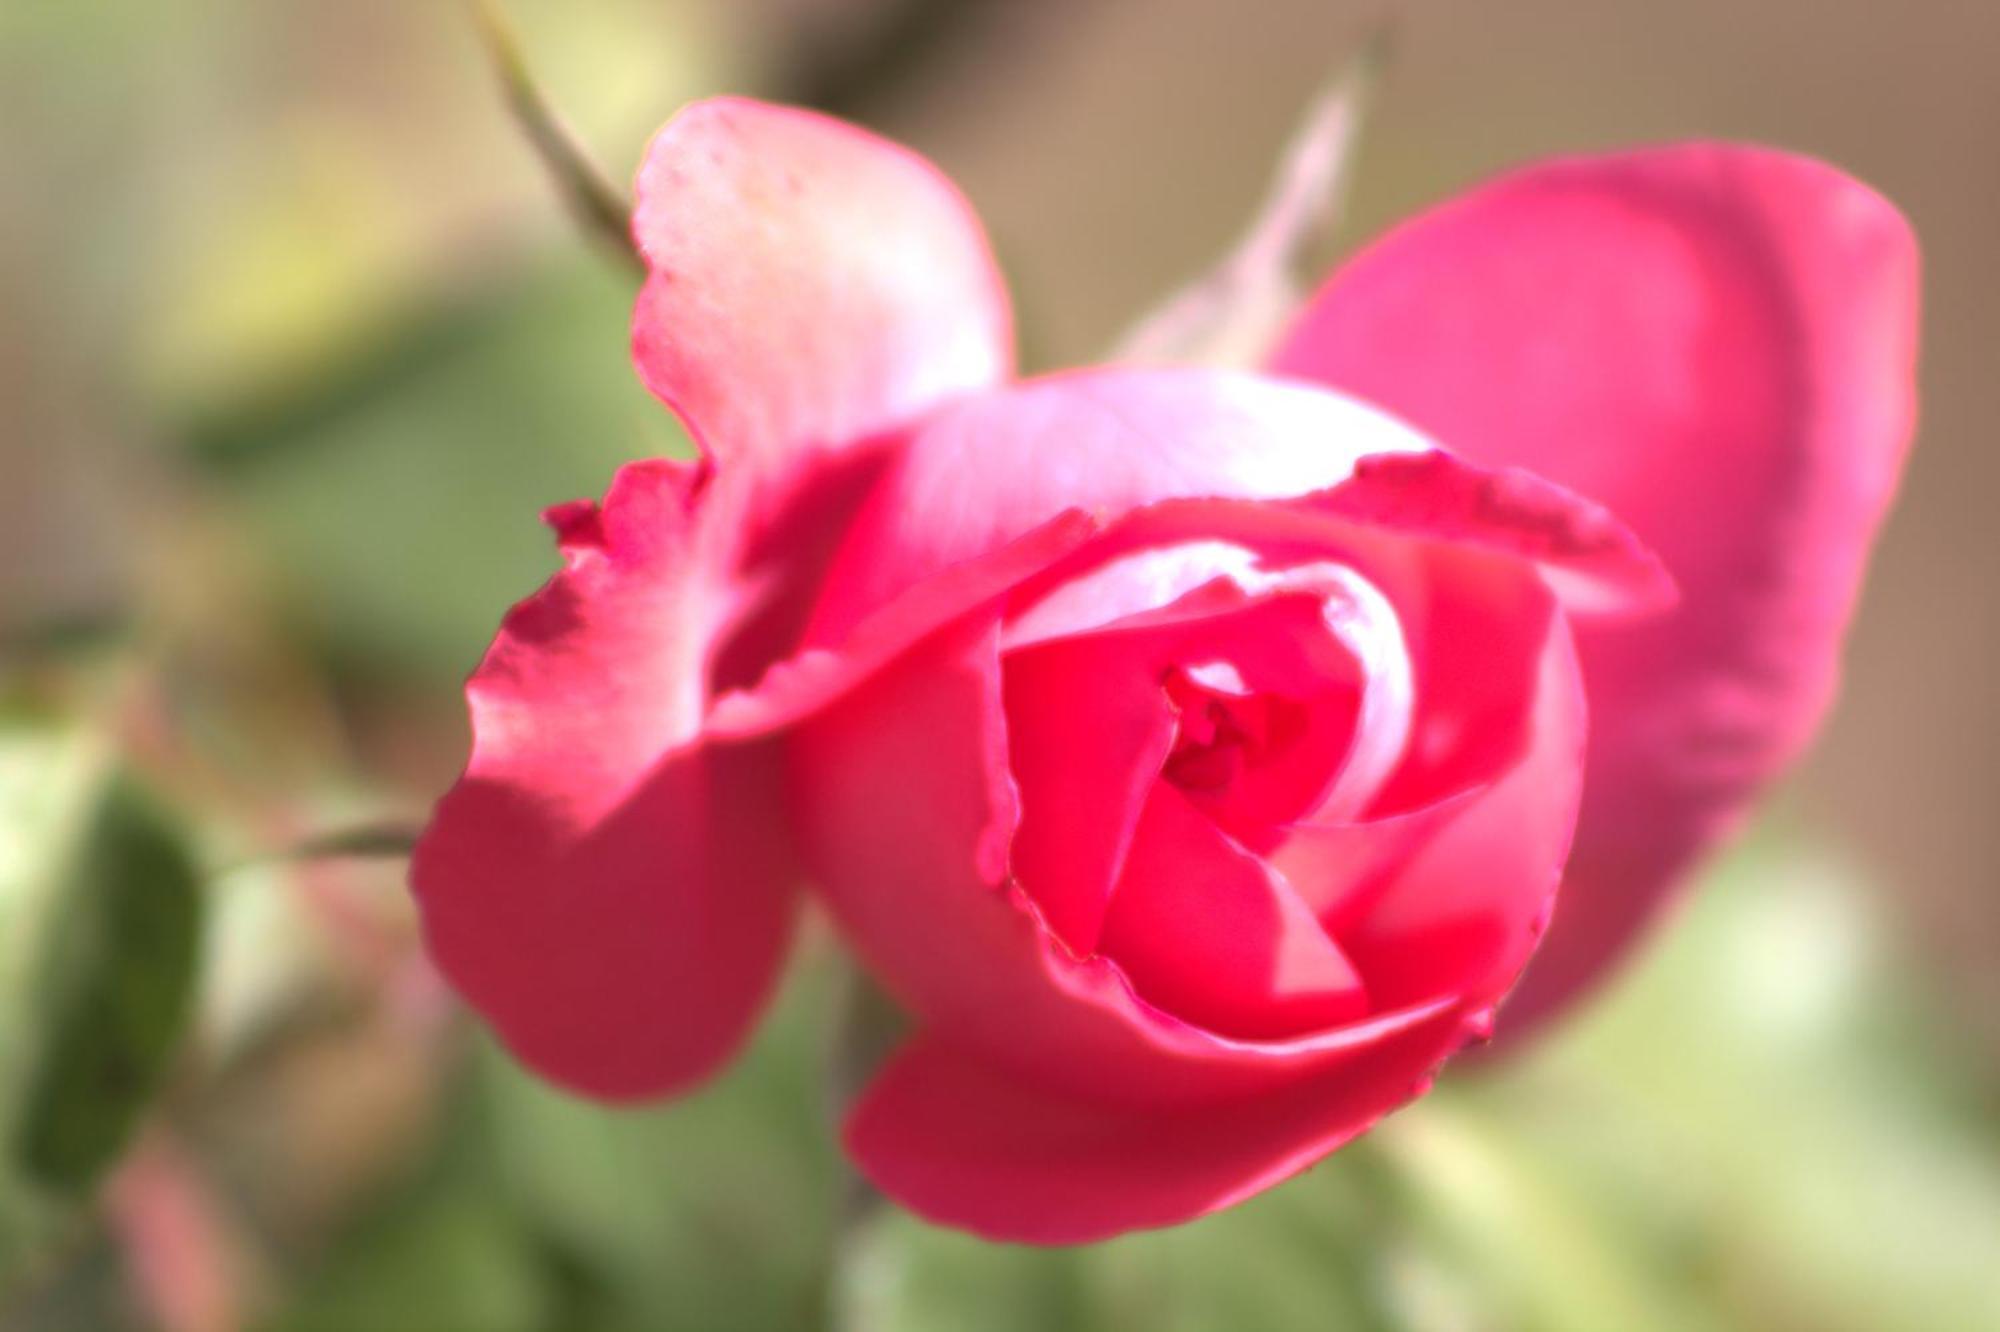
[(596, 203), (865, 1026)]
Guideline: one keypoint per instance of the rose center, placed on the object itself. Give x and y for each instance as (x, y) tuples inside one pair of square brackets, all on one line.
[(1209, 749), (1249, 757)]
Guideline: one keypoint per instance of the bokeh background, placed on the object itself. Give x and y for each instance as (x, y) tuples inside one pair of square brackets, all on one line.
[(295, 341)]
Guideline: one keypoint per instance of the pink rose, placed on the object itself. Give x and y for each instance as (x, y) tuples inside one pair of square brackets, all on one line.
[(1195, 754)]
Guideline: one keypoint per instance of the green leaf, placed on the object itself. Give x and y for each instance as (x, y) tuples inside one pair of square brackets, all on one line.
[(114, 987)]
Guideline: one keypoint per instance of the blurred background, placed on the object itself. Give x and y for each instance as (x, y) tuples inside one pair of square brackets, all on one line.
[(295, 341)]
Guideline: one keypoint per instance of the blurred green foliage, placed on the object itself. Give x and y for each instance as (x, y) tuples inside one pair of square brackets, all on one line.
[(100, 919)]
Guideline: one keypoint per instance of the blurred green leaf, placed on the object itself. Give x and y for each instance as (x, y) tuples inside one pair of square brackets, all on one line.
[(113, 987), (99, 913), (538, 1209), (47, 772)]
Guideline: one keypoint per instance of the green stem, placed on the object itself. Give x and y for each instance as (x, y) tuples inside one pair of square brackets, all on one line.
[(865, 1025), (598, 204)]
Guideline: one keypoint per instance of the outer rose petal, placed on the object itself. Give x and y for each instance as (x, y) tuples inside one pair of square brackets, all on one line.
[(968, 1145), (1717, 343), (984, 471), (606, 890), (1585, 553), (606, 885), (809, 284)]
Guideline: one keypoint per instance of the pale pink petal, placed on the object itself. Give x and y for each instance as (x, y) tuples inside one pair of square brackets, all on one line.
[(983, 471), (1337, 869), (809, 285), (1717, 343)]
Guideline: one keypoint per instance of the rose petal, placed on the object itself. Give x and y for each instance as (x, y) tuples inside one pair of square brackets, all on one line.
[(797, 686), (1090, 725), (1212, 934), (607, 891), (809, 284), (1082, 759), (983, 471), (1588, 556), (1716, 342), (965, 1144), (1467, 906), (1339, 869)]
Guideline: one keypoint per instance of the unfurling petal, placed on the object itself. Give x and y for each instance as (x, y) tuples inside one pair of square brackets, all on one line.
[(809, 285), (1717, 344)]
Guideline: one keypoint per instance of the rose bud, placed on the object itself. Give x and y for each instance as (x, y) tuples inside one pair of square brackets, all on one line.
[(1194, 754)]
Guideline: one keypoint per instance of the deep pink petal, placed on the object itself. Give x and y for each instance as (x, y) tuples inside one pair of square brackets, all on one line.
[(796, 686), (966, 1144), (1212, 934), (1472, 899), (1717, 343), (1082, 759), (1594, 563), (1477, 629), (608, 891), (1591, 561), (808, 284)]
